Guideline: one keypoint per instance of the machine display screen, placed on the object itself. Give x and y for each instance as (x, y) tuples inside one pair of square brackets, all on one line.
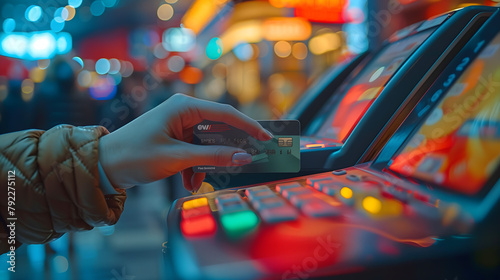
[(343, 112), (458, 143)]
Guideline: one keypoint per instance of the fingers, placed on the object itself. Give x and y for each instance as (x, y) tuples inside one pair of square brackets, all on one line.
[(191, 180), (208, 110), (215, 155)]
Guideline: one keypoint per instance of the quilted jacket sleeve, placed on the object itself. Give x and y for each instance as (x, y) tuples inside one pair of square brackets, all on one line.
[(56, 184)]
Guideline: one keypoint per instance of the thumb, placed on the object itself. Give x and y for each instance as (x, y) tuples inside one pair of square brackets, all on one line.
[(218, 156)]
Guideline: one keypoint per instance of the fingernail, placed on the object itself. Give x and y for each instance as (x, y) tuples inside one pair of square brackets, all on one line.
[(242, 158), (271, 136)]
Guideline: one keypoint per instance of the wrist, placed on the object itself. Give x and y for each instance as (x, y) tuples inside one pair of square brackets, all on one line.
[(109, 163)]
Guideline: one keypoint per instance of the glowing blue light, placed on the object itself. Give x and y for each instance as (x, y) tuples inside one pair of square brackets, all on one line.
[(75, 3), (79, 60), (214, 48), (58, 15), (33, 13), (179, 39), (42, 45), (97, 8), (243, 51), (35, 45), (14, 45), (109, 3), (102, 66), (64, 43), (9, 25), (56, 26)]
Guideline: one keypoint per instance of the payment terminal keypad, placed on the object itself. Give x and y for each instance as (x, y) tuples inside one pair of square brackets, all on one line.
[(332, 196)]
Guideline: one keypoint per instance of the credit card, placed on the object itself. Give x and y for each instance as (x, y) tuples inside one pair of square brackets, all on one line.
[(278, 155)]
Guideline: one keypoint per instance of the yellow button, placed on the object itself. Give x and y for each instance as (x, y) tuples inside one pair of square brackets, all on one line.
[(195, 203)]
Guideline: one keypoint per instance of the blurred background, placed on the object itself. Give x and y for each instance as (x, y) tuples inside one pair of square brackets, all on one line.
[(105, 62)]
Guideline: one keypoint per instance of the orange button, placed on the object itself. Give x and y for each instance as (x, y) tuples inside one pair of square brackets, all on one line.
[(194, 203)]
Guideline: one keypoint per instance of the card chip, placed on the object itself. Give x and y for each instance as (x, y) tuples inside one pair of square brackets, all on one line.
[(285, 142)]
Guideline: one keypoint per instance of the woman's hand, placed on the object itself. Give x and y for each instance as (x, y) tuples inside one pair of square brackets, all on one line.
[(158, 143)]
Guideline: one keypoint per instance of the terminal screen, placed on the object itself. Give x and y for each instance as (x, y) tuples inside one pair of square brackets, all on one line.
[(344, 111), (458, 143)]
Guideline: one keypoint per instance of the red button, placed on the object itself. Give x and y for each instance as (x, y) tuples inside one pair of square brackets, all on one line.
[(198, 226)]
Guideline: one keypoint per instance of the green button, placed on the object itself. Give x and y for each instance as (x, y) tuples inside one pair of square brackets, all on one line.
[(238, 224)]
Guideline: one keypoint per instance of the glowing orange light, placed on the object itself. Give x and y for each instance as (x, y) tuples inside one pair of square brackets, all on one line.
[(315, 146), (191, 75), (372, 205), (286, 28), (346, 192)]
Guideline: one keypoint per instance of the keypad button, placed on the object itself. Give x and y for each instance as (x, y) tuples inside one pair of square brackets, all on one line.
[(312, 180), (288, 193), (232, 206), (282, 187), (260, 194), (322, 184), (256, 190), (198, 226), (319, 208), (198, 211), (298, 200), (339, 172), (279, 214), (227, 197), (194, 203), (238, 224), (330, 189), (268, 202)]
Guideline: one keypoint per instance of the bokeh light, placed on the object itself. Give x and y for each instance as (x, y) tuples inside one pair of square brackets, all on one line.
[(27, 88), (37, 75), (103, 88), (68, 13), (114, 66), (33, 13), (171, 1), (102, 66), (191, 75), (243, 51), (56, 26), (84, 79), (75, 3), (159, 51), (109, 3), (165, 12), (97, 8), (79, 60), (214, 48), (43, 63), (282, 49), (299, 50), (176, 63), (58, 15), (324, 43), (127, 69), (9, 25), (61, 264)]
